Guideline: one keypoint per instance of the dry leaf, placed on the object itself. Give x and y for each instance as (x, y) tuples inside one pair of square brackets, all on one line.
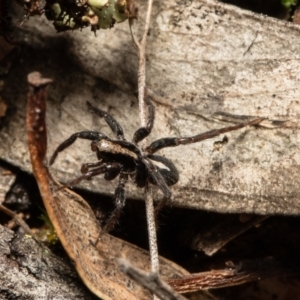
[(75, 222)]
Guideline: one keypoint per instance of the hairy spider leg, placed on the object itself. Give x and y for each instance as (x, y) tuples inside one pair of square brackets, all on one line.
[(88, 135), (143, 132), (170, 175), (85, 167), (119, 199), (104, 168), (157, 177), (112, 172), (173, 142), (111, 121)]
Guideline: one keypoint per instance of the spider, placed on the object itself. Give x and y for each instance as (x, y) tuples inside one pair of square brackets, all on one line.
[(119, 157)]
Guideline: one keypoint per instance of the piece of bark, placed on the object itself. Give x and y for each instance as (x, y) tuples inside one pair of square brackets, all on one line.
[(29, 271), (203, 57)]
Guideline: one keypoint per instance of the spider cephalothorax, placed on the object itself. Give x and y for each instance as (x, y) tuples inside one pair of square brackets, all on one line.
[(119, 157)]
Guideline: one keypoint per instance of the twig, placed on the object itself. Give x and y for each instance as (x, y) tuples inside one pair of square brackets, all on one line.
[(150, 281), (142, 66), (17, 219), (133, 36), (141, 47), (152, 230)]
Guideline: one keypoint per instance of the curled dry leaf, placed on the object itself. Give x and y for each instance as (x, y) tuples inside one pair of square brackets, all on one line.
[(75, 222)]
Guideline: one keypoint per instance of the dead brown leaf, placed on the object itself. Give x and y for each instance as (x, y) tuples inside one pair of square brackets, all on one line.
[(75, 222)]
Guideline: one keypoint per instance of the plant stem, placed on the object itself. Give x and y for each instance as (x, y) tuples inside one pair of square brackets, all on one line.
[(141, 47)]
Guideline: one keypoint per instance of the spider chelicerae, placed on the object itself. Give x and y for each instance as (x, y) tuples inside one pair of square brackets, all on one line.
[(119, 157)]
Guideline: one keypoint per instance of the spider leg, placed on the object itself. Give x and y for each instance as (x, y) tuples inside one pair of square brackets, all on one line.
[(102, 169), (111, 121), (159, 206), (142, 132), (170, 175), (157, 178), (113, 171), (172, 142), (88, 135), (119, 199), (85, 167)]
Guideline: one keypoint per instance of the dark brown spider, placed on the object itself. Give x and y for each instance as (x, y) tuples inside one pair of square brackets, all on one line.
[(118, 157)]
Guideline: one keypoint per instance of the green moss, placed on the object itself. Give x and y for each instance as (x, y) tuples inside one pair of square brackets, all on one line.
[(47, 234)]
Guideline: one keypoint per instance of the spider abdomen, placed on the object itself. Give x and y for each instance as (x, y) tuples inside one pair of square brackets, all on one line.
[(116, 151), (115, 147)]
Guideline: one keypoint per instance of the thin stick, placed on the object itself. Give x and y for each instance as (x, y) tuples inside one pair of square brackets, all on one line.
[(151, 230), (142, 66), (17, 219), (150, 281), (133, 36), (141, 46)]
